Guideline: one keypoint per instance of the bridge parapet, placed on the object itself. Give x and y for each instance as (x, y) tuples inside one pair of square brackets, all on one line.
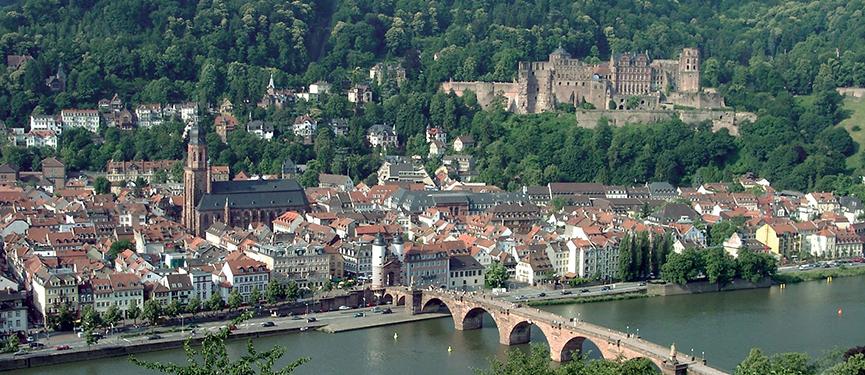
[(564, 337)]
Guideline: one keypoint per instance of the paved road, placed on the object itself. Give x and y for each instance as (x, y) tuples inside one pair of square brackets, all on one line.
[(795, 268), (344, 317), (533, 294)]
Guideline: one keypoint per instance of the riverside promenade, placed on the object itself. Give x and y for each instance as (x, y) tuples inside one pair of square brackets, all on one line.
[(173, 337)]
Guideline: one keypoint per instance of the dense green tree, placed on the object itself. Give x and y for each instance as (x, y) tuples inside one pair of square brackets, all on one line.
[(720, 266), (215, 302), (274, 292), (255, 296), (234, 300), (536, 362), (172, 309), (684, 267), (496, 276), (90, 318), (12, 344), (152, 311), (755, 266), (101, 185), (111, 316), (758, 363), (133, 311), (193, 306), (62, 320), (626, 258), (292, 290)]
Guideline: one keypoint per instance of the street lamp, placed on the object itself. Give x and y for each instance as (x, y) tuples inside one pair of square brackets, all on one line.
[(638, 333), (628, 330)]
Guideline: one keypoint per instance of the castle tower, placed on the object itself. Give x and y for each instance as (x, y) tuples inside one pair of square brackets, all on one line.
[(196, 179), (689, 71), (378, 255)]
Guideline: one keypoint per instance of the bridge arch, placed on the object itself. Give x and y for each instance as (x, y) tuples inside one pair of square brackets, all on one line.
[(400, 301), (520, 331), (434, 305), (474, 318), (577, 345), (386, 299)]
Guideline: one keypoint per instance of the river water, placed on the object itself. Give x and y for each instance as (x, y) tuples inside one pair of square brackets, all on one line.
[(802, 317)]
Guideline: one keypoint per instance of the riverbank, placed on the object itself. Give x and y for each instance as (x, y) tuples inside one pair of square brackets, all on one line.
[(589, 299), (126, 345), (376, 321), (793, 277), (50, 357)]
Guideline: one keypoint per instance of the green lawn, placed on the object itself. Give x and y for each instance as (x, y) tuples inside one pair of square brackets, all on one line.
[(856, 107)]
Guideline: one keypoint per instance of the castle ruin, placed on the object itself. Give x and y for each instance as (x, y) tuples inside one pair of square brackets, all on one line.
[(629, 81)]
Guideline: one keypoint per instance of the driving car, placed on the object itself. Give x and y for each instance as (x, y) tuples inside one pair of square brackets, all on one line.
[(268, 324), (310, 319)]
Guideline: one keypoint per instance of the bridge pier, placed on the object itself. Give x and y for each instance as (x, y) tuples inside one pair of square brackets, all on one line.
[(515, 335), (564, 338), (471, 322)]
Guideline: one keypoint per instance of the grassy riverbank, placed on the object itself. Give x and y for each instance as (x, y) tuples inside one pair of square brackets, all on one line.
[(818, 274), (605, 298)]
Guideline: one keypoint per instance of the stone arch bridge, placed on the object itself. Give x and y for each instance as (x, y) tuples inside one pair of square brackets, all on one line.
[(564, 337)]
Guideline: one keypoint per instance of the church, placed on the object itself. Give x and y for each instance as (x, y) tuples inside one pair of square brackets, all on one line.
[(235, 203)]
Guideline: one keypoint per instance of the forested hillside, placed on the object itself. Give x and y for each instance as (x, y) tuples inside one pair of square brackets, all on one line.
[(759, 54)]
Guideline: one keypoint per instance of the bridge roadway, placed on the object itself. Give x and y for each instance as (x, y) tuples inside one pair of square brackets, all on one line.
[(564, 337)]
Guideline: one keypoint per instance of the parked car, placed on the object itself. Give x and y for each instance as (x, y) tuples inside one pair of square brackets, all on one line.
[(359, 315), (154, 337), (310, 319), (268, 324), (566, 292), (344, 307), (387, 311), (62, 347)]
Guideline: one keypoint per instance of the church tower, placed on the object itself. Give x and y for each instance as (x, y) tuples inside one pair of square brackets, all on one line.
[(196, 179)]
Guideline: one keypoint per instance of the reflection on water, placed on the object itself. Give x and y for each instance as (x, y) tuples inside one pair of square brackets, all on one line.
[(801, 317)]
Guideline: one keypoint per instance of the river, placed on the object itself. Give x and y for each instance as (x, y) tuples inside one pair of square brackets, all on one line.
[(801, 317)]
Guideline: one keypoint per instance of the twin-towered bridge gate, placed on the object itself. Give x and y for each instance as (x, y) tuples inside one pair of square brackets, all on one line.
[(564, 337)]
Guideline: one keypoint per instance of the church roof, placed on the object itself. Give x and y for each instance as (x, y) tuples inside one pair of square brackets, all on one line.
[(252, 194)]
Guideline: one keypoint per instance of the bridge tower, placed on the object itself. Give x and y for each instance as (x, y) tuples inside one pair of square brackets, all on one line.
[(378, 256)]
